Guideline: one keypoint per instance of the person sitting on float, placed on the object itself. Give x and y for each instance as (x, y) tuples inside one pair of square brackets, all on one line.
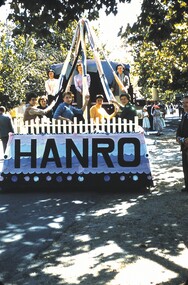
[(128, 111), (66, 111), (97, 111), (43, 104), (31, 111)]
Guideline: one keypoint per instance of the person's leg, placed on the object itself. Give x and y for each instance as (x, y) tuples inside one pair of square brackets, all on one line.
[(79, 100), (185, 167), (4, 142)]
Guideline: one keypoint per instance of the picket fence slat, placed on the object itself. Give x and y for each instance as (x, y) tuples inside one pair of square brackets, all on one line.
[(45, 125)]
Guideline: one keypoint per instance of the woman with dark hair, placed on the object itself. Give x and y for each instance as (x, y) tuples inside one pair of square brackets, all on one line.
[(51, 86), (117, 91), (43, 104)]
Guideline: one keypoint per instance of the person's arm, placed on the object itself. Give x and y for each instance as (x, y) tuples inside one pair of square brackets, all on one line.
[(92, 112), (50, 107), (59, 112), (64, 119), (85, 103), (126, 83), (11, 127), (47, 87), (36, 111), (88, 80), (114, 113)]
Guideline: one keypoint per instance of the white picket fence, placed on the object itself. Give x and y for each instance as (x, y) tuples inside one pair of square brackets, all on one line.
[(45, 125)]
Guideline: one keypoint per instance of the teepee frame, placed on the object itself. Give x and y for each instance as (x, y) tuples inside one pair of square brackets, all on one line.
[(78, 47)]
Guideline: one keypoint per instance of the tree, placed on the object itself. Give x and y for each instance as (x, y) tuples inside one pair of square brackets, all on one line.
[(24, 61), (40, 16), (159, 43)]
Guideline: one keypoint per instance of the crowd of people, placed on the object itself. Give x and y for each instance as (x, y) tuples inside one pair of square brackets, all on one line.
[(153, 117)]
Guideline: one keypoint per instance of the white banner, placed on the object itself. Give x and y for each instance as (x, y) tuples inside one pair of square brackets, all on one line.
[(77, 153)]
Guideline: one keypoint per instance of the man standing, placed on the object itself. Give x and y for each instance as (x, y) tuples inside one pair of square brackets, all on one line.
[(182, 139), (6, 126)]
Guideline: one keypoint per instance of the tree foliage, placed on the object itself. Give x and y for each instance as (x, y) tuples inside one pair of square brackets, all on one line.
[(40, 16), (159, 41), (24, 61)]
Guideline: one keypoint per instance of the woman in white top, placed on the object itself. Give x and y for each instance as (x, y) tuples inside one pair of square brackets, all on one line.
[(51, 86)]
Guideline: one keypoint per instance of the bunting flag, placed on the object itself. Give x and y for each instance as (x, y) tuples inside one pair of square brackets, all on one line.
[(62, 76), (75, 59), (84, 59)]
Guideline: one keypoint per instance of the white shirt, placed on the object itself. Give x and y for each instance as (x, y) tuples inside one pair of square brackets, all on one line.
[(51, 86)]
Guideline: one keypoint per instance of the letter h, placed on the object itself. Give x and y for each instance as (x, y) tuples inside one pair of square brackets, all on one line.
[(19, 154)]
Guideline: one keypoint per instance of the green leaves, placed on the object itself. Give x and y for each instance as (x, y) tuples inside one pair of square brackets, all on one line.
[(40, 16), (159, 42), (24, 61)]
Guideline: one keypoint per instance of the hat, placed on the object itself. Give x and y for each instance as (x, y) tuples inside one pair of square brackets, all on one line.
[(145, 107), (99, 96)]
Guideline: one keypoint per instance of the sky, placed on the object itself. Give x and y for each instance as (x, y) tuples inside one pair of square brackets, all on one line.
[(110, 25)]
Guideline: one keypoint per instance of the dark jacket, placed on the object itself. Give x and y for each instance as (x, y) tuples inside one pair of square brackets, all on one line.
[(182, 130), (6, 125), (128, 112)]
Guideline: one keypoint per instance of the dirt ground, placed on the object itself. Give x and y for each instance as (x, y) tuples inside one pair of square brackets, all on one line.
[(126, 238)]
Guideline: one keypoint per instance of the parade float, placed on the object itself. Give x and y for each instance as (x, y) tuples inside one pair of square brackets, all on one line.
[(50, 154)]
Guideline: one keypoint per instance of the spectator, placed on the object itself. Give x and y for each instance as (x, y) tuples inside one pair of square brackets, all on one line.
[(180, 109), (31, 111), (171, 107), (124, 79), (145, 122), (157, 122), (51, 86), (97, 111), (65, 111), (182, 139), (150, 110), (79, 85), (6, 127), (128, 111)]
